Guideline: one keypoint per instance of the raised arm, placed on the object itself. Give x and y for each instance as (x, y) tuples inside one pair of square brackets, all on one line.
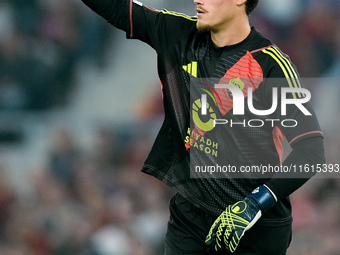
[(116, 12), (160, 29)]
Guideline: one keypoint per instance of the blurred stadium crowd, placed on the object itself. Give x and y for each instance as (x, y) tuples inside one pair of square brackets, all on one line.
[(94, 200), (41, 43)]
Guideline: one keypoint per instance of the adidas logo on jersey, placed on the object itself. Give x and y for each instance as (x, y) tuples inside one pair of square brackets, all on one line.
[(191, 68)]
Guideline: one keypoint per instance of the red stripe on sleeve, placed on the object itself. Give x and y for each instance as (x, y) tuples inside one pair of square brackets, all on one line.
[(131, 24), (305, 134)]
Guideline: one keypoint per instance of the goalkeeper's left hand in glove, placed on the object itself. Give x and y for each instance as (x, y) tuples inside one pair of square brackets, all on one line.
[(228, 229)]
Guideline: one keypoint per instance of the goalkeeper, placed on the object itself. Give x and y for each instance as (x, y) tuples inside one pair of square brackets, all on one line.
[(224, 215)]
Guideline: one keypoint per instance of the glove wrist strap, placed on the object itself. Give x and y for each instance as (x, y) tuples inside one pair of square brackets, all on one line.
[(264, 197)]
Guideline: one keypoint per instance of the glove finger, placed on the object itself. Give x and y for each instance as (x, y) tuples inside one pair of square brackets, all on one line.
[(235, 239), (221, 236), (213, 229), (211, 237), (210, 242)]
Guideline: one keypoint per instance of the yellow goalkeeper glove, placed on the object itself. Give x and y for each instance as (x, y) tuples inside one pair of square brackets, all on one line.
[(228, 229)]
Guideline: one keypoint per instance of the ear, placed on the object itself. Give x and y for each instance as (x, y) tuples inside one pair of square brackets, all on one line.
[(240, 2)]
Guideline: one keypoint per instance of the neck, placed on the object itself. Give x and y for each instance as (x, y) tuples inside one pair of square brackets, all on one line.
[(232, 33)]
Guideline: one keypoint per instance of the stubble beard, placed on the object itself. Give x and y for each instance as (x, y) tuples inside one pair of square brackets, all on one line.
[(202, 27)]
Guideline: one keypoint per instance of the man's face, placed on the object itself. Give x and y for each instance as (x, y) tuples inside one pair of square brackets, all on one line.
[(213, 15)]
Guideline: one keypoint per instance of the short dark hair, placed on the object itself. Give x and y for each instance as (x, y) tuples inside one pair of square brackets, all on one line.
[(251, 5)]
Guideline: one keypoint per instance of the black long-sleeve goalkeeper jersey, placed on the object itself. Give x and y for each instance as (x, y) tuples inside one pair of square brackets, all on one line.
[(187, 57)]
